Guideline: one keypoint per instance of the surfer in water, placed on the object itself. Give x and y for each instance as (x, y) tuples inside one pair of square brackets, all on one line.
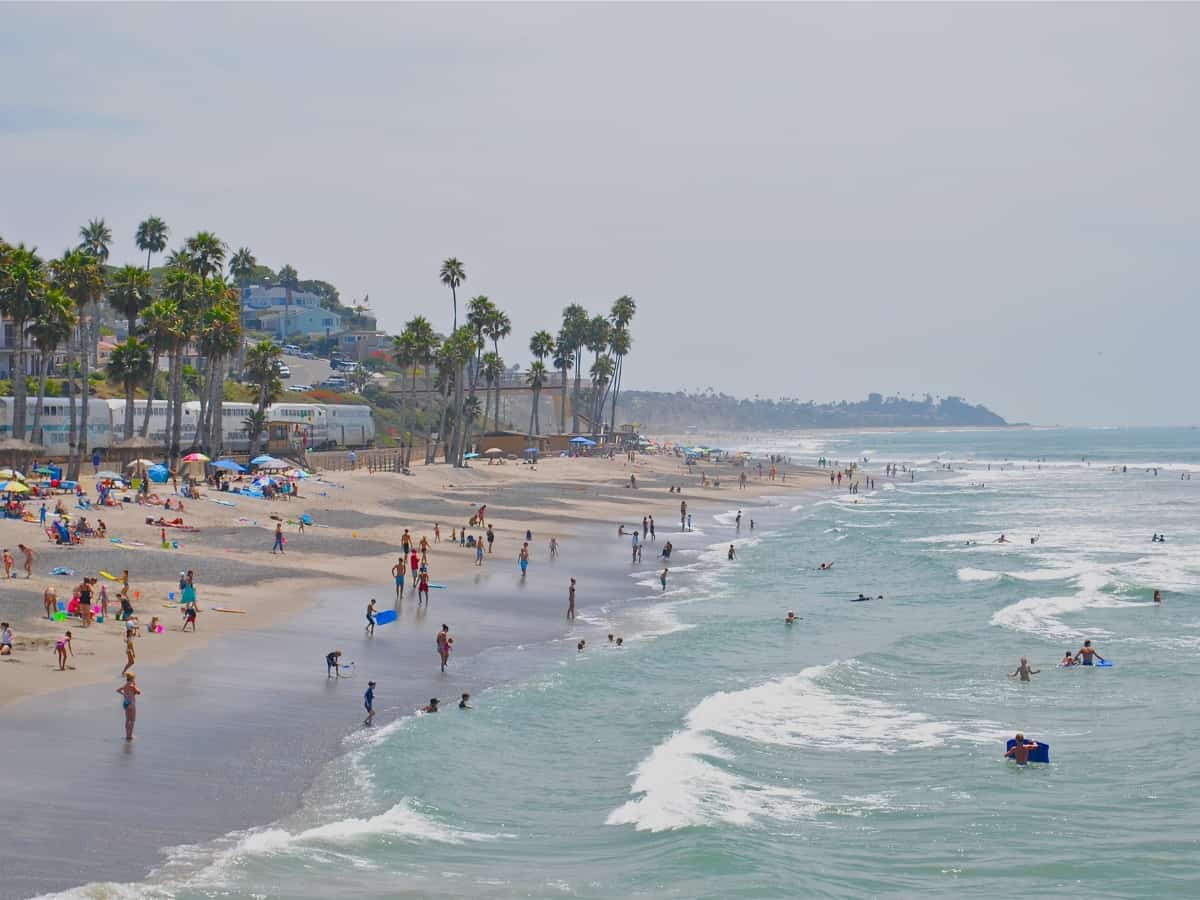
[(1002, 540), (1068, 660), (862, 598), (1087, 652), (825, 567), (1024, 670), (1020, 750), (791, 619)]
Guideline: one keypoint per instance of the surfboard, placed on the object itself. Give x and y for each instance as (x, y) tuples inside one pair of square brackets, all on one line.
[(1039, 754), (226, 609), (109, 575), (1104, 664), (382, 618)]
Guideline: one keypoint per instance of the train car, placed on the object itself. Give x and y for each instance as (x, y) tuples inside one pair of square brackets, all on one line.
[(158, 421), (56, 422), (309, 420), (350, 424)]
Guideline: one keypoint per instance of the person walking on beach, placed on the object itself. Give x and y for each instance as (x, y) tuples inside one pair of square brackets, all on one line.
[(444, 644), (5, 639), (491, 536), (405, 544), (479, 553), (50, 599), (369, 703), (129, 694), (554, 548), (9, 562), (437, 533), (523, 559), (414, 563), (278, 546), (732, 553), (682, 515), (635, 545), (571, 601), (423, 587), (398, 576), (62, 647), (370, 629), (189, 618), (663, 578), (652, 528), (27, 552), (1024, 671), (738, 520)]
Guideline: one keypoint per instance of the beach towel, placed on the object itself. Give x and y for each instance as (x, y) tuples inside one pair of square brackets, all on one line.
[(62, 570)]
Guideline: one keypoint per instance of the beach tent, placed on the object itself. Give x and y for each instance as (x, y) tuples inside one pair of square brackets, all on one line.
[(228, 464), (493, 451), (583, 441), (158, 474)]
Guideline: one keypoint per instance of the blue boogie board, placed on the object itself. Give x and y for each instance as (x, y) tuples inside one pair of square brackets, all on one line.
[(1040, 754), (1104, 664), (382, 618)]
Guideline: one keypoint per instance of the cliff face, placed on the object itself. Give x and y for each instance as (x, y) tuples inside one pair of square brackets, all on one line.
[(680, 410)]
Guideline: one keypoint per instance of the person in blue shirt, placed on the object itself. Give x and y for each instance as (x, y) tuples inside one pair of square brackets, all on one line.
[(369, 703)]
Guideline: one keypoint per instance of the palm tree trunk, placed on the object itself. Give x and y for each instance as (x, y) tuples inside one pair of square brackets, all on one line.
[(43, 373), (129, 409), (19, 389), (575, 393), (612, 419), (562, 404), (73, 424), (176, 392), (532, 415), (150, 392), (442, 427)]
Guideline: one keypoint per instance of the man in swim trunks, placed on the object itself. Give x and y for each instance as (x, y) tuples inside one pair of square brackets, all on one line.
[(1024, 670), (398, 575), (491, 537), (571, 601), (333, 661), (732, 552), (1020, 750), (1087, 652), (369, 703), (371, 618)]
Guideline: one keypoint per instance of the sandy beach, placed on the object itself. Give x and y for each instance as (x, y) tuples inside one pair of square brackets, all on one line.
[(358, 521)]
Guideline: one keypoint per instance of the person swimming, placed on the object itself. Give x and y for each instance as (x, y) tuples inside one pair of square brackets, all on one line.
[(1024, 671), (791, 619), (862, 598), (1068, 660), (825, 567)]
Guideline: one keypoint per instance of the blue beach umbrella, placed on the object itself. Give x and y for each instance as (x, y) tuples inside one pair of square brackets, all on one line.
[(582, 440), (228, 464), (259, 460)]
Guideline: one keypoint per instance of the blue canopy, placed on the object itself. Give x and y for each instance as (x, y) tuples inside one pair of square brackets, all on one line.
[(228, 464), (259, 460), (582, 440), (158, 474)]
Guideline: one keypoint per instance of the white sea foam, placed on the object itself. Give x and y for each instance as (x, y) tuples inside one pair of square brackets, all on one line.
[(690, 778), (1043, 616)]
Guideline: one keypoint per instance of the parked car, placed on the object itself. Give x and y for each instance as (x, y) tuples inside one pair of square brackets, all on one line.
[(334, 383), (284, 371), (300, 387)]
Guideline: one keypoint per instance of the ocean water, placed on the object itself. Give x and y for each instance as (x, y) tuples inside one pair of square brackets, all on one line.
[(721, 754)]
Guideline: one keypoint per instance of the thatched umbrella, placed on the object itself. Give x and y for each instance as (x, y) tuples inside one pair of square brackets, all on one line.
[(128, 450), (19, 453)]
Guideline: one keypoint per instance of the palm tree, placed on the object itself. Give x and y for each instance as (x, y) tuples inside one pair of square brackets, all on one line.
[(241, 266), (289, 281), (206, 253), (453, 356), (53, 326), (621, 315), (452, 275), (497, 326), (220, 335), (564, 359), (151, 237), (79, 275), (479, 311), (129, 292), (538, 373), (128, 366), (422, 344), (601, 372), (22, 288), (493, 371), (95, 238), (574, 329), (596, 340), (180, 288), (403, 354), (158, 326), (262, 371)]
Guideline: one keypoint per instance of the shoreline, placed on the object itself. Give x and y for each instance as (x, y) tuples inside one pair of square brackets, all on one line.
[(249, 720)]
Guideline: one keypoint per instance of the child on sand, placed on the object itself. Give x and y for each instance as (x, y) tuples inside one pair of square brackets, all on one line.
[(50, 598), (62, 647), (9, 562), (5, 639), (130, 652)]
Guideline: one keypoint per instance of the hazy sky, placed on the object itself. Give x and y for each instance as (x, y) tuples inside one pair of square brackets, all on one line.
[(816, 201)]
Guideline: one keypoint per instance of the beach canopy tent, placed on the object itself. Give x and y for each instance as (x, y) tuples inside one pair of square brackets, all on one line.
[(158, 474), (259, 460), (582, 441), (493, 451), (228, 464)]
